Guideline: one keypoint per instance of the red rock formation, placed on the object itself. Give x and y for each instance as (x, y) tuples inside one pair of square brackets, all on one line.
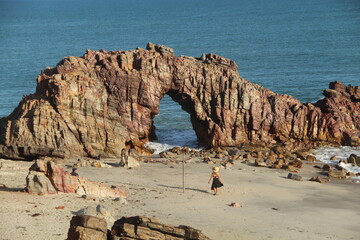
[(45, 177), (96, 104)]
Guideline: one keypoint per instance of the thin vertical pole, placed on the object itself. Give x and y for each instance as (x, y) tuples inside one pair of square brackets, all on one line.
[(183, 172)]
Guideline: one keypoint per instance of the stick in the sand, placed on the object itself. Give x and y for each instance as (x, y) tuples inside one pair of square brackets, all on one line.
[(183, 172)]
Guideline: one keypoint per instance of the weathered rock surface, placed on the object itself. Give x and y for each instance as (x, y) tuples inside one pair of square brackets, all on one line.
[(38, 183), (132, 162), (45, 177), (149, 228), (99, 103), (91, 163), (85, 227)]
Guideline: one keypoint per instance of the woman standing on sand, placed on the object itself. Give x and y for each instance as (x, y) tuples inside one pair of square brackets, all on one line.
[(217, 183)]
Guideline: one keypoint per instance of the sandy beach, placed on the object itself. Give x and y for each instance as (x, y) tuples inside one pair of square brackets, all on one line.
[(273, 207)]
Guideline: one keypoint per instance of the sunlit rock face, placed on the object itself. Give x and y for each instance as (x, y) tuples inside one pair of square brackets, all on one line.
[(99, 103)]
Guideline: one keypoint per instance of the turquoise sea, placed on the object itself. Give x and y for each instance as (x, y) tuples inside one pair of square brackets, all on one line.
[(288, 46)]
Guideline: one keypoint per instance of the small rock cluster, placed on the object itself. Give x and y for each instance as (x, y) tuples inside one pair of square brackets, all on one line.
[(276, 158), (336, 171), (84, 227), (226, 156), (175, 152)]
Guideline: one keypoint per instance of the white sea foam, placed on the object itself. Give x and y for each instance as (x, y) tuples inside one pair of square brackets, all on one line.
[(341, 153), (160, 147), (174, 138)]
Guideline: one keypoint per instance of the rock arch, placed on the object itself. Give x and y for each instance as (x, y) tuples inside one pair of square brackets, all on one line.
[(173, 125), (97, 104)]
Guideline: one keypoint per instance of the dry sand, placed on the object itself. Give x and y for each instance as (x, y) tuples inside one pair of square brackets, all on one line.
[(273, 207)]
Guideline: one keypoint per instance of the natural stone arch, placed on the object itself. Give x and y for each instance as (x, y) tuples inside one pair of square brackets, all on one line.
[(173, 126), (99, 103)]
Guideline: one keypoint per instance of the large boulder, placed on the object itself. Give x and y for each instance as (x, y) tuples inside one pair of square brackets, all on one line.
[(102, 102), (63, 181), (45, 177), (38, 183), (85, 227)]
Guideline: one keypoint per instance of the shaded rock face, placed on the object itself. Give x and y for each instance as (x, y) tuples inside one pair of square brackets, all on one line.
[(84, 227), (99, 103), (139, 227)]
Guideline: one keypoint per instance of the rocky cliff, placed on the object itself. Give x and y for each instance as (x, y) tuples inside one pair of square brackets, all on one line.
[(103, 101)]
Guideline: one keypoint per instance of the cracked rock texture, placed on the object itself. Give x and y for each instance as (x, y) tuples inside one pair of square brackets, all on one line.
[(99, 103)]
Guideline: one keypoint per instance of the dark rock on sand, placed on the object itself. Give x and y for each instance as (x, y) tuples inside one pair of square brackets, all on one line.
[(318, 179), (99, 103), (294, 177), (354, 160), (326, 167)]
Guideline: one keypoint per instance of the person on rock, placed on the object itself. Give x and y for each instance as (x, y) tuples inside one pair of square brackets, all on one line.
[(74, 173), (217, 183)]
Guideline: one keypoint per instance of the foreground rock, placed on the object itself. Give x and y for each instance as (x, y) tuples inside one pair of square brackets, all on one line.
[(45, 177), (149, 228), (102, 102), (85, 227)]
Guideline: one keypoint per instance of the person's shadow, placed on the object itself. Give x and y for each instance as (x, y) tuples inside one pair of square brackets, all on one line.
[(6, 189), (191, 189)]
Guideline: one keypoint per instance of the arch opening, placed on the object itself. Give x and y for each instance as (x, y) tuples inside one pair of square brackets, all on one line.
[(172, 126)]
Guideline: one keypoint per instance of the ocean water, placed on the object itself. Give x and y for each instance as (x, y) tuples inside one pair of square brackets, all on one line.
[(288, 46)]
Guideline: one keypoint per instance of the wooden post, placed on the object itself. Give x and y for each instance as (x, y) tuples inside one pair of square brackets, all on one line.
[(183, 172)]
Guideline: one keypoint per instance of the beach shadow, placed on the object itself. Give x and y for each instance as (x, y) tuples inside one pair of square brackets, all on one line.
[(6, 189), (251, 164), (113, 164), (191, 189), (323, 173)]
